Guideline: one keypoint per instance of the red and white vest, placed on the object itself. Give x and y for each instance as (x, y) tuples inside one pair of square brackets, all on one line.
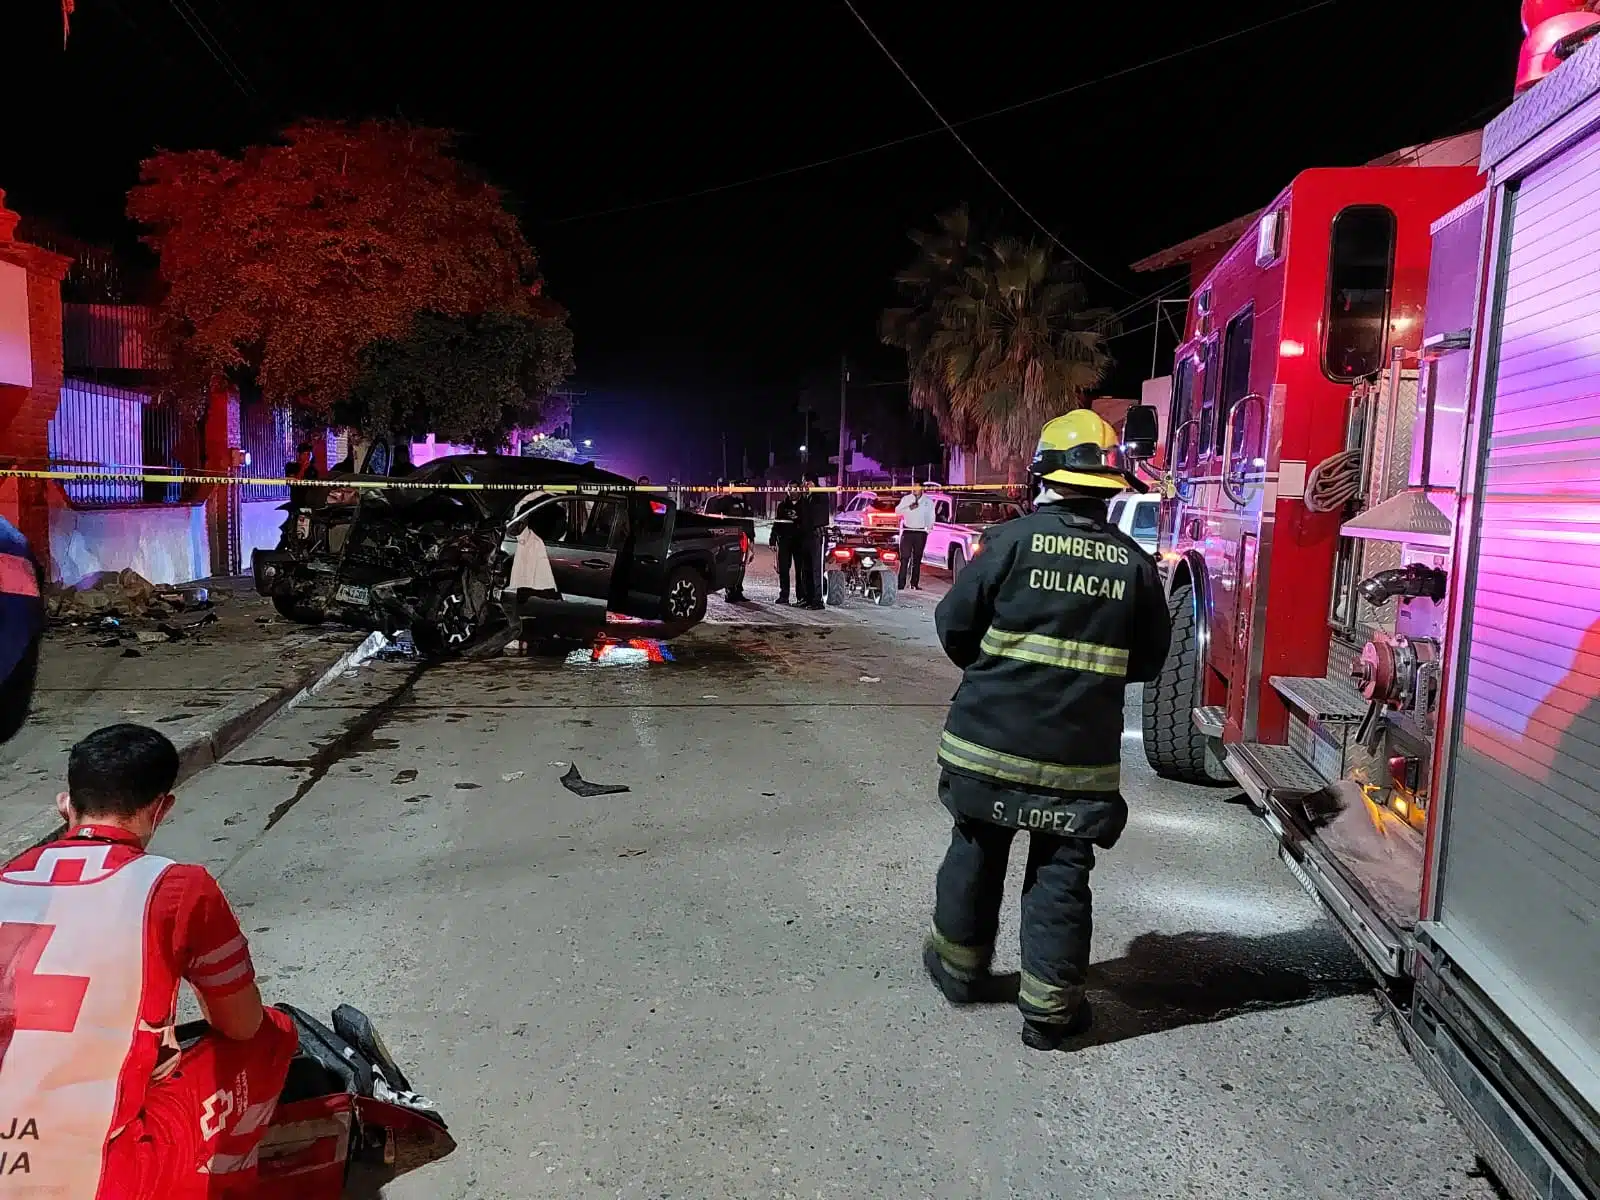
[(72, 947)]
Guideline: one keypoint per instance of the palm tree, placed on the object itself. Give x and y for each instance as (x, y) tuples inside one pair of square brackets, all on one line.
[(933, 281), (998, 339)]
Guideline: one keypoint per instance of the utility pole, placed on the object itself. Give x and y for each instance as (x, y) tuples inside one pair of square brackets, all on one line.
[(844, 379), (724, 455)]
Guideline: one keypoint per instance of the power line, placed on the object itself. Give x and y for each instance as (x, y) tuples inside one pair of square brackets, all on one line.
[(1156, 295), (815, 164), (1136, 329), (973, 155), (203, 34)]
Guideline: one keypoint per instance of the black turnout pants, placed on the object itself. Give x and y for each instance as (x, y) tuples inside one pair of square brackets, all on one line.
[(1057, 913)]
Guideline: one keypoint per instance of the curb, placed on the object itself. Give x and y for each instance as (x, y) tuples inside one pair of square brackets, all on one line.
[(232, 728), (228, 728)]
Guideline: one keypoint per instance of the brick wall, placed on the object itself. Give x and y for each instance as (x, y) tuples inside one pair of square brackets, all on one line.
[(25, 412)]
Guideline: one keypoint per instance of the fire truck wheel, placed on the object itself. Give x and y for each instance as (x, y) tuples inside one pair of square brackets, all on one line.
[(1172, 744)]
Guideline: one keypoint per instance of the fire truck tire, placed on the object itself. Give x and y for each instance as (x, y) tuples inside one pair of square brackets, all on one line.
[(1173, 746)]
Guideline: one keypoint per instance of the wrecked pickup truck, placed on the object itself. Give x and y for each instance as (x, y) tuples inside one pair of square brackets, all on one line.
[(437, 560)]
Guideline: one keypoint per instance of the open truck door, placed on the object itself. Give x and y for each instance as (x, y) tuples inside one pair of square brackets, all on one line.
[(640, 579), (607, 552)]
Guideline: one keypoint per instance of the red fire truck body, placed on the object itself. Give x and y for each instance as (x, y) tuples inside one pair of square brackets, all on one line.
[(1382, 545), (1333, 275)]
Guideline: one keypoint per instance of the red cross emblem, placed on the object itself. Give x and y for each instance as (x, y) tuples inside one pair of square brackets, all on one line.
[(28, 1000)]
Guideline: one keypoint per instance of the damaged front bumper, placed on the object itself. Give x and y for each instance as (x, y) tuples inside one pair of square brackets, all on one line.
[(316, 584)]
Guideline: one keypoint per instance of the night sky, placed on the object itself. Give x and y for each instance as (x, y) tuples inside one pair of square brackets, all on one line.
[(698, 313)]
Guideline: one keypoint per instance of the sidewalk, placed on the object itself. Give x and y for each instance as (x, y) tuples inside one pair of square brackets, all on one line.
[(207, 692)]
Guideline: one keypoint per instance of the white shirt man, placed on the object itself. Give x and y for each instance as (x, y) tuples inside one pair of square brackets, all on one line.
[(915, 509), (916, 518)]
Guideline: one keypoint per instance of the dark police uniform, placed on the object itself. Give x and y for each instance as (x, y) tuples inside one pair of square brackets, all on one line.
[(786, 537), (1049, 623), (810, 529)]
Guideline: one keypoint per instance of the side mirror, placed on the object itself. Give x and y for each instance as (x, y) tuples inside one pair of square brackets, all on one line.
[(1140, 432)]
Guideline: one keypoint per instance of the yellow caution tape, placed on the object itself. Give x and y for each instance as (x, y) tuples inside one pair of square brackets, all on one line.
[(116, 476)]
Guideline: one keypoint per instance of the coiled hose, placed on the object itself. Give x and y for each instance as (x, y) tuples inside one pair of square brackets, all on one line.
[(1333, 482)]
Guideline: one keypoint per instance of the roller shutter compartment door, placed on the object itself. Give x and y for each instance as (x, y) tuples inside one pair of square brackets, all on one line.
[(1519, 882)]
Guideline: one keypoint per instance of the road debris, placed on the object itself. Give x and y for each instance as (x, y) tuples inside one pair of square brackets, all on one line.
[(631, 853), (871, 679), (400, 649), (405, 776), (577, 784), (511, 776), (120, 594)]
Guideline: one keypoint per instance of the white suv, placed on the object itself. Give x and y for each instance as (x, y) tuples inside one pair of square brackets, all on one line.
[(1138, 514), (959, 520), (868, 510)]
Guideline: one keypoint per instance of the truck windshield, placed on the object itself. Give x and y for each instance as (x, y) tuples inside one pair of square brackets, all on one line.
[(1360, 280)]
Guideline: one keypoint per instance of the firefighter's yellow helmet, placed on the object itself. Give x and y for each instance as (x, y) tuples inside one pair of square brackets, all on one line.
[(1079, 449)]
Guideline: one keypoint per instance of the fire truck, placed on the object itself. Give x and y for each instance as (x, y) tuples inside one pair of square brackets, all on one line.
[(1381, 542)]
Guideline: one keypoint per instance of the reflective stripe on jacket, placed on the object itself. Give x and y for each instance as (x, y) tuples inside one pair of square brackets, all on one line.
[(1050, 623)]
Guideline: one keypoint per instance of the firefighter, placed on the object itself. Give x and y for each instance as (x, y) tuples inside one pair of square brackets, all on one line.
[(1056, 616)]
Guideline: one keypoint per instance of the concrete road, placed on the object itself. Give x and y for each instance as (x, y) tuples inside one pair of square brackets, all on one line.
[(708, 986)]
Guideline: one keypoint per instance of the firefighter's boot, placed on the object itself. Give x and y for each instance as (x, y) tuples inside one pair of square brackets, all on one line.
[(960, 987), (1037, 1035)]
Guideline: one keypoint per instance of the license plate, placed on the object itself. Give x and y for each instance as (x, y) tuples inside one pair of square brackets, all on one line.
[(349, 594), (302, 527)]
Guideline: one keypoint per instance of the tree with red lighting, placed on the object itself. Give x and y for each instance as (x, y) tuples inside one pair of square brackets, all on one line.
[(291, 260), (468, 379)]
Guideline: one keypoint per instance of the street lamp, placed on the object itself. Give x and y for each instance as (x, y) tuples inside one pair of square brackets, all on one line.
[(803, 449)]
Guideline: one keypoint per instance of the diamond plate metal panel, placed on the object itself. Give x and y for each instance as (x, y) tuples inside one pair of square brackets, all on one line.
[(1326, 699), (1393, 420), (1542, 105), (1281, 769), (1375, 557)]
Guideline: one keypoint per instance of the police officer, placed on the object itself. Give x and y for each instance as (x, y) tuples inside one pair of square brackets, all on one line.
[(812, 528), (786, 538), (1050, 622)]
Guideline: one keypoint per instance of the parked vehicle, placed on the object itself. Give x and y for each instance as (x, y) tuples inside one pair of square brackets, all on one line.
[(859, 562), (733, 508), (1394, 652), (868, 510), (1138, 514), (348, 1122), (436, 561), (959, 520)]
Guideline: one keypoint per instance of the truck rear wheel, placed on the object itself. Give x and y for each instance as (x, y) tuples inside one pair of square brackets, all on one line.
[(685, 598), (1172, 744)]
